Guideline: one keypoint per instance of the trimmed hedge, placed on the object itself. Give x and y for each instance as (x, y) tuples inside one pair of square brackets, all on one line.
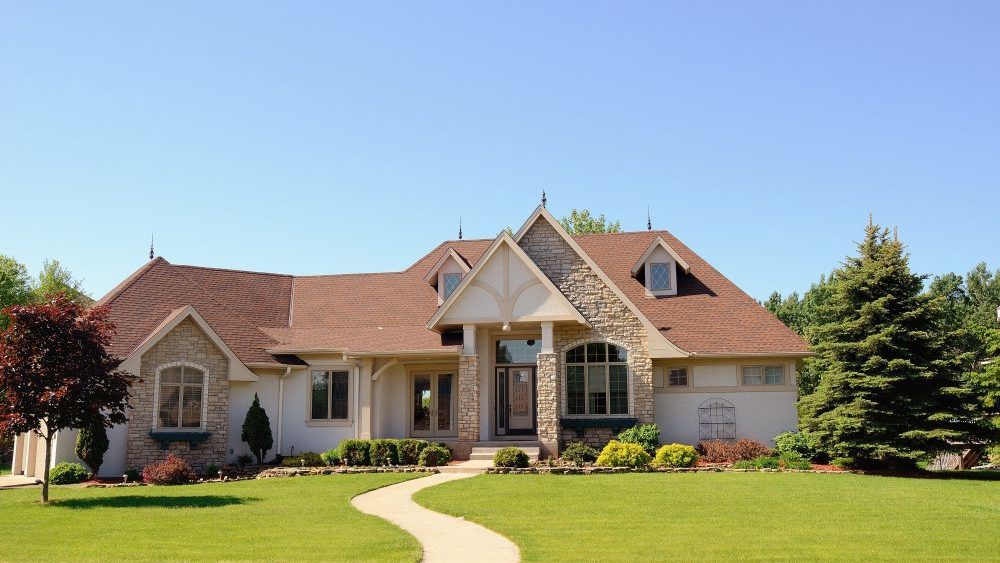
[(645, 435), (510, 457), (434, 455), (409, 450), (579, 454), (355, 452), (384, 452), (618, 454), (171, 471), (675, 455), (331, 457), (67, 473)]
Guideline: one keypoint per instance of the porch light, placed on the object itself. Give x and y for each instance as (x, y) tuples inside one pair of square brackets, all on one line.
[(506, 327)]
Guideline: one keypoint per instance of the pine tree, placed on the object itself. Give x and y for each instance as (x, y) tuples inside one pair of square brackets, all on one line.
[(890, 393), (91, 445), (257, 430)]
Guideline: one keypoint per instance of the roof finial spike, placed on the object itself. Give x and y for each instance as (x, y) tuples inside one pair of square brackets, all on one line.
[(459, 227), (544, 199), (871, 220), (895, 233), (151, 254), (649, 220)]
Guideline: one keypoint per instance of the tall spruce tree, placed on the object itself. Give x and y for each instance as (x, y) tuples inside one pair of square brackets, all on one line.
[(257, 430), (890, 391)]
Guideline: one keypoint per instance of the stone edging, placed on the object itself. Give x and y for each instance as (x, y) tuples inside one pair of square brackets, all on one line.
[(279, 472), (618, 470)]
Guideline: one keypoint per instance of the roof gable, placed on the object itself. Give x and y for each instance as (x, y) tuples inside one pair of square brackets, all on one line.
[(660, 243)]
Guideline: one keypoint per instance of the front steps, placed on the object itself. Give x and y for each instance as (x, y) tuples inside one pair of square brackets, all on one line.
[(484, 451)]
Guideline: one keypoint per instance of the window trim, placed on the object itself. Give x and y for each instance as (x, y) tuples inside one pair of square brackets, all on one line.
[(666, 266), (630, 394), (671, 274), (349, 421), (444, 284), (688, 376), (203, 426), (763, 378)]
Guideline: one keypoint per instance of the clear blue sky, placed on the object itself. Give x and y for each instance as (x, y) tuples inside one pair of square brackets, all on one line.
[(324, 138)]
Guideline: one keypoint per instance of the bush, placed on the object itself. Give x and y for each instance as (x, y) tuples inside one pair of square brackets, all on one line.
[(579, 454), (211, 470), (724, 451), (171, 471), (331, 457), (355, 452), (67, 473), (646, 435), (793, 443), (675, 455), (434, 455), (133, 475), (409, 450), (791, 461), (993, 454), (843, 462), (244, 460), (304, 459), (510, 457), (384, 452), (257, 430), (92, 443), (619, 454)]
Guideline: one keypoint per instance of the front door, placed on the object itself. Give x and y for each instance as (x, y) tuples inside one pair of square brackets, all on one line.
[(433, 404), (515, 400)]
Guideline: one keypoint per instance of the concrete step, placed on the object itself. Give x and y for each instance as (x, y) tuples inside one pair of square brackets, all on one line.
[(486, 453)]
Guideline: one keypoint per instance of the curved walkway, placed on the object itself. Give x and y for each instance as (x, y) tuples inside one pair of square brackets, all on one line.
[(444, 538)]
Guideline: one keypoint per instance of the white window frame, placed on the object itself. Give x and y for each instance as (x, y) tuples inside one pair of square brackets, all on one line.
[(763, 375), (310, 421), (671, 274), (444, 284), (586, 381), (203, 426)]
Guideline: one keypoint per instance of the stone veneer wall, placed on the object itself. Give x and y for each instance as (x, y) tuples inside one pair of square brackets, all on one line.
[(468, 398), (186, 342), (610, 318)]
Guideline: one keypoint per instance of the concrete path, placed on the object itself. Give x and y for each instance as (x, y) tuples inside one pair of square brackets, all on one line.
[(445, 539), (14, 481)]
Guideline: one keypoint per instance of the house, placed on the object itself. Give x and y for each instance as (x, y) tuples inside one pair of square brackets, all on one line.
[(538, 338)]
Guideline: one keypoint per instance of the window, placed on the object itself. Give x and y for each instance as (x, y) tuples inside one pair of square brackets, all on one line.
[(659, 276), (518, 351), (181, 392), (329, 395), (678, 377), (763, 375), (451, 282), (596, 379)]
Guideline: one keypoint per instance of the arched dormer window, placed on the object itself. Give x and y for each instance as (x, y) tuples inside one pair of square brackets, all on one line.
[(597, 380), (180, 396)]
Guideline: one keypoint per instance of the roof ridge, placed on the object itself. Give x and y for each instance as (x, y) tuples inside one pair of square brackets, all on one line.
[(215, 269), (128, 282)]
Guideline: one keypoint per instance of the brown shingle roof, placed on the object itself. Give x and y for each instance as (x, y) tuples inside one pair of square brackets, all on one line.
[(386, 312)]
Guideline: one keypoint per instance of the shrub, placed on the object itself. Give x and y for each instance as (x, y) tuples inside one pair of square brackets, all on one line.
[(793, 443), (133, 475), (791, 461), (304, 459), (409, 450), (244, 460), (510, 457), (257, 430), (993, 454), (92, 443), (724, 451), (67, 473), (331, 457), (384, 452), (619, 454), (171, 471), (579, 453), (211, 470), (675, 455), (434, 455), (843, 462), (355, 452), (646, 435)]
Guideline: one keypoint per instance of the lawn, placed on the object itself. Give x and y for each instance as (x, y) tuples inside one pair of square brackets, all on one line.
[(300, 519), (725, 516)]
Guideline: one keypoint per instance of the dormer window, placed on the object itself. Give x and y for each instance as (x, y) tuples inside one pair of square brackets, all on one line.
[(450, 282), (657, 269), (659, 276)]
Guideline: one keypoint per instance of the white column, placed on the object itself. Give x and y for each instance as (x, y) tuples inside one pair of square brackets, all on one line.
[(469, 340), (365, 399), (547, 345), (17, 463)]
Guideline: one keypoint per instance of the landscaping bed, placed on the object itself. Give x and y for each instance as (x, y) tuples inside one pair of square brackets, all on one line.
[(596, 470)]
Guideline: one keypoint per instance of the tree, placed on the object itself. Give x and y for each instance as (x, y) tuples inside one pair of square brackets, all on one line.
[(55, 279), (890, 391), (91, 445), (56, 372), (583, 223), (257, 430), (15, 285), (803, 316)]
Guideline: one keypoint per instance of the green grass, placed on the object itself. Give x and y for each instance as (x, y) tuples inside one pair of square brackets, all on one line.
[(726, 516), (298, 519), (4, 470)]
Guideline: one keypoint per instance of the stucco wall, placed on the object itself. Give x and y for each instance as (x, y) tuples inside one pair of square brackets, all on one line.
[(759, 415), (299, 432), (240, 398)]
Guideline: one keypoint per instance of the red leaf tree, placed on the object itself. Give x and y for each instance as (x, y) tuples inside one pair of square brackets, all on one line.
[(56, 372)]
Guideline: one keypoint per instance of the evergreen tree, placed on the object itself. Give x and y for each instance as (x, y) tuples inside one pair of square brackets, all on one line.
[(257, 430), (91, 445), (890, 392)]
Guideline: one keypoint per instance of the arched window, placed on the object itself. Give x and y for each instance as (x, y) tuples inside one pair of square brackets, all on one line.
[(716, 420), (596, 379), (181, 395)]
